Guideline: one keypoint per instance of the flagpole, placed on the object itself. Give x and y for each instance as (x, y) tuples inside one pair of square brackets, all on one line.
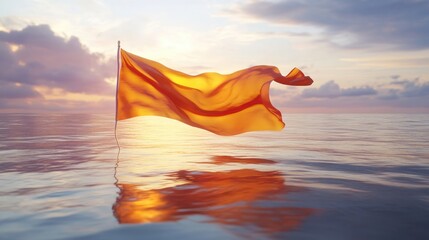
[(117, 89)]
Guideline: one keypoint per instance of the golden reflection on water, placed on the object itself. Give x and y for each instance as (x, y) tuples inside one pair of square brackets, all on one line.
[(238, 197)]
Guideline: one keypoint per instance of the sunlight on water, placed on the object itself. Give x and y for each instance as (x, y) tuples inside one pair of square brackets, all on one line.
[(337, 176)]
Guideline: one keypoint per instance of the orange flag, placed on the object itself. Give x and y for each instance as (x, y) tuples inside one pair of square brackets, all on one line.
[(223, 104)]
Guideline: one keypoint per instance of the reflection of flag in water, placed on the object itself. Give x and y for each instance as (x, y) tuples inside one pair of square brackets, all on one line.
[(223, 104), (246, 197), (242, 197)]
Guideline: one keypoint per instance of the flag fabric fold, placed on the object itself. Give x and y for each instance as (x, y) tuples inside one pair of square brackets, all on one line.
[(223, 104)]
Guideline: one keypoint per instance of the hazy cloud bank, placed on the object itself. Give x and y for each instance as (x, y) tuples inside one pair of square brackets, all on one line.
[(333, 90), (397, 95)]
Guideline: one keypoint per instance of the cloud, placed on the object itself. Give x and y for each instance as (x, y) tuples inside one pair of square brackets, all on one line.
[(13, 91), (414, 89), (35, 58), (397, 95), (333, 90), (405, 89), (400, 24)]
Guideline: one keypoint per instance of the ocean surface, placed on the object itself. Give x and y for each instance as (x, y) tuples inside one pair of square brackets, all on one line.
[(325, 176)]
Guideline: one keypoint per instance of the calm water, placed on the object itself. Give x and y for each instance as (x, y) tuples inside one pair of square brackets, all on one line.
[(323, 177)]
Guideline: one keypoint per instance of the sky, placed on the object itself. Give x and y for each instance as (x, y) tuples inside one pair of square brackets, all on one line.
[(364, 56)]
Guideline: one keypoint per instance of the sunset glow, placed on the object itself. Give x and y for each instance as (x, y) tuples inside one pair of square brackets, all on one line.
[(72, 46)]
